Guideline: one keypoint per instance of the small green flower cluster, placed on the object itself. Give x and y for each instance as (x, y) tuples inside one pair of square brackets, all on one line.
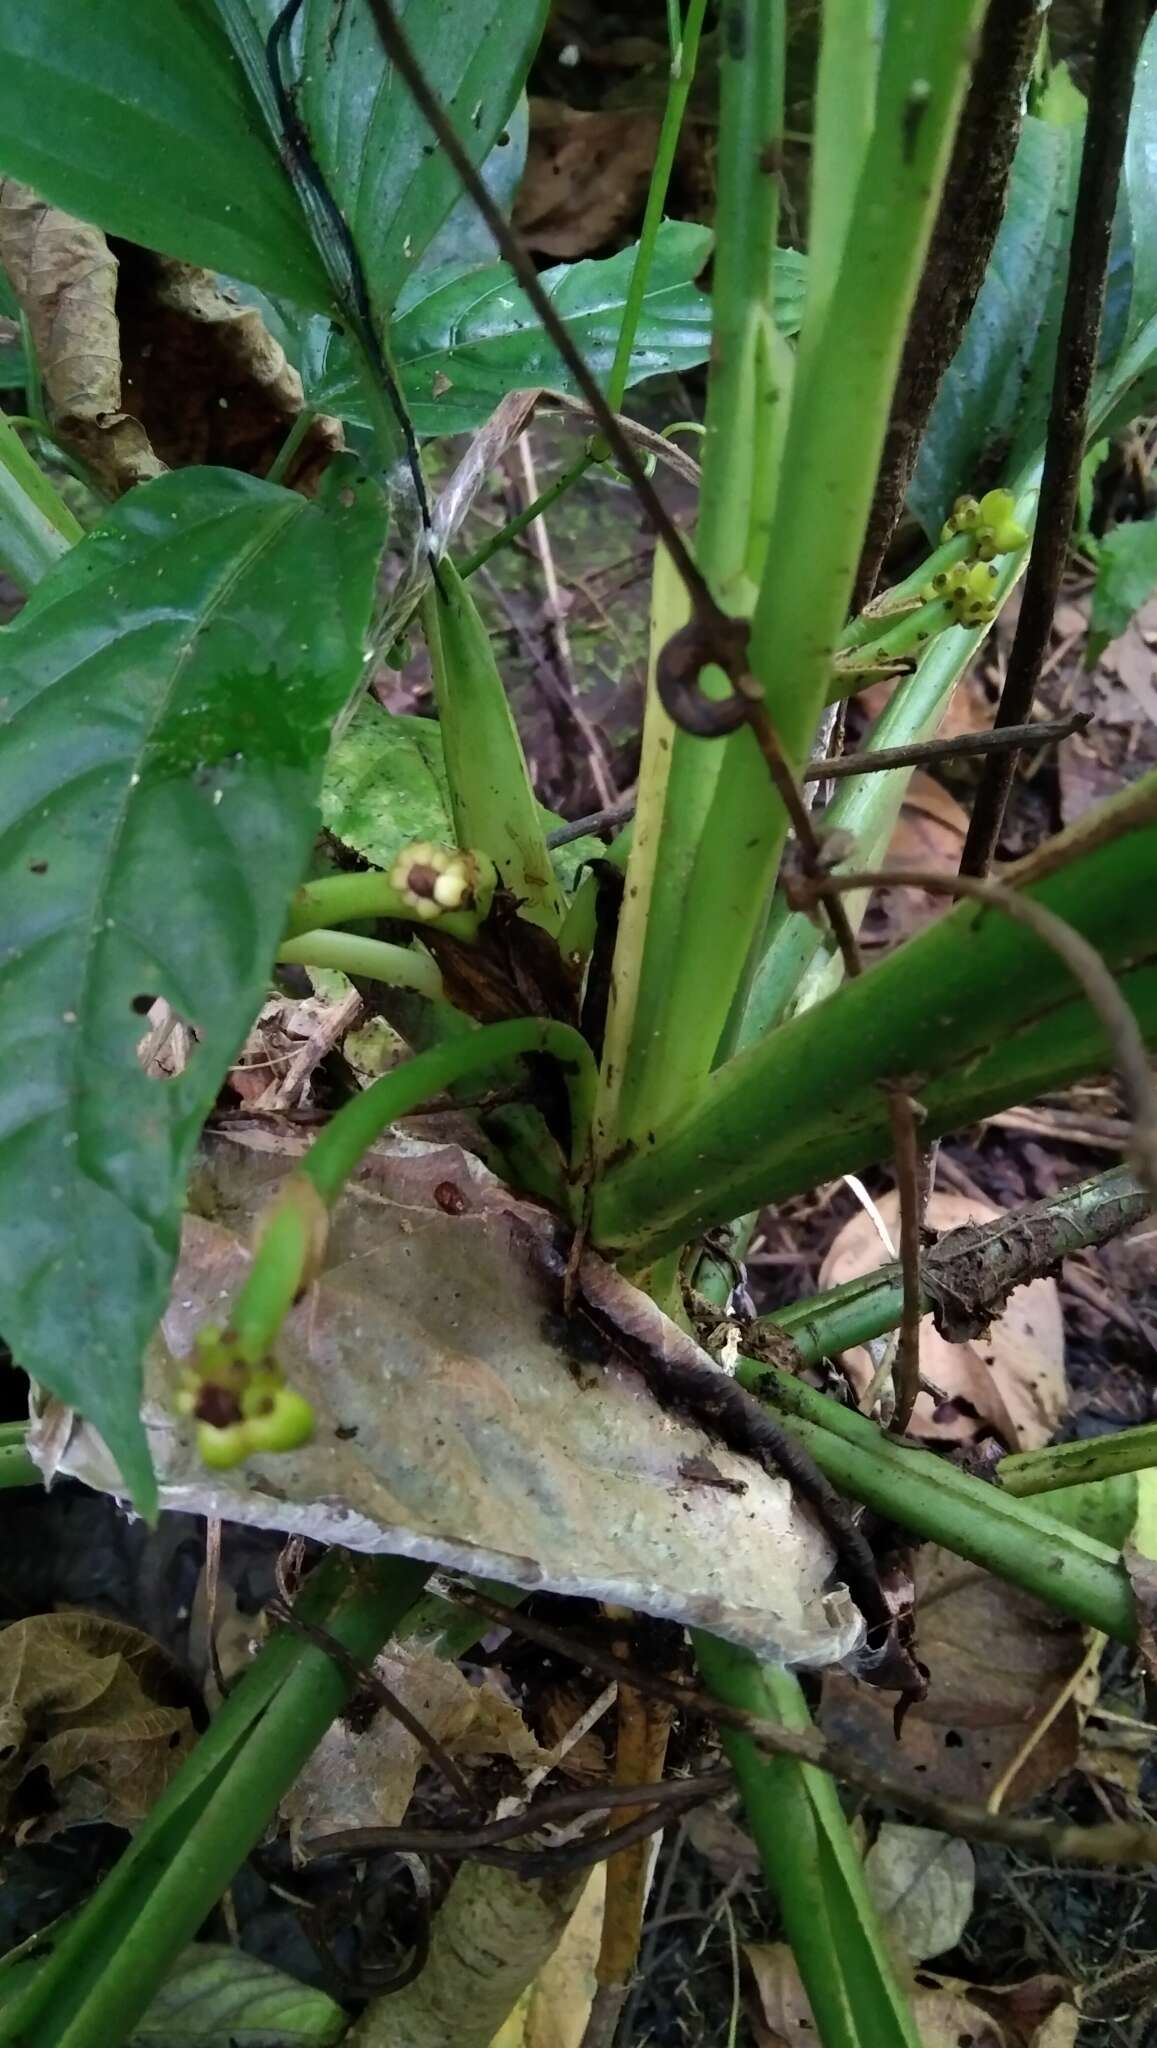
[(992, 529), (240, 1411)]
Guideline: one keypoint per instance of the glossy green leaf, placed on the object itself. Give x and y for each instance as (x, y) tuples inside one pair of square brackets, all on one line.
[(1126, 577), (375, 151), (464, 337), (168, 695), (994, 399), (140, 119), (219, 1997), (159, 124)]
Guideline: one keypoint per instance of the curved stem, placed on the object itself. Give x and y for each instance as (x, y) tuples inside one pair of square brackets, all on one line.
[(344, 899), (292, 1233), (375, 959)]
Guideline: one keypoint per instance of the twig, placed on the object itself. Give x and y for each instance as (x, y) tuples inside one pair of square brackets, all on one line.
[(1082, 960), (367, 1680), (906, 1368), (1116, 1842), (1123, 24), (838, 767), (552, 1807)]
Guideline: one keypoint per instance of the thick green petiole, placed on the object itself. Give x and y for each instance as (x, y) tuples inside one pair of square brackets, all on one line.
[(375, 959), (810, 1861), (347, 899), (1025, 1473), (942, 1504), (292, 1232)]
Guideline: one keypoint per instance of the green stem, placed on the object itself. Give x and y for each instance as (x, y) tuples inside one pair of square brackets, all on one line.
[(522, 520), (941, 1504), (283, 460), (17, 1468), (1102, 1457), (288, 1243), (345, 952), (653, 1037), (870, 624), (976, 1263), (678, 91), (345, 899), (112, 1959), (903, 636), (845, 105), (810, 1861)]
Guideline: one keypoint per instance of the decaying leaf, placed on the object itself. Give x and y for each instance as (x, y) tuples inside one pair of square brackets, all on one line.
[(65, 276), (1010, 1382), (148, 363), (947, 2013), (997, 1659), (90, 1725), (364, 1776), (498, 1442), (585, 175), (922, 1882)]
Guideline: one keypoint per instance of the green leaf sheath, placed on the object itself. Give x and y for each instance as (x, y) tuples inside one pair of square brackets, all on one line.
[(168, 693), (491, 797), (972, 1013)]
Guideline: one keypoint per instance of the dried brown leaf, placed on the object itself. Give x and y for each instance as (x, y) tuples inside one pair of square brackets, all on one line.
[(89, 1707), (947, 2013), (998, 1659), (65, 276), (922, 1881), (1010, 1382), (585, 176)]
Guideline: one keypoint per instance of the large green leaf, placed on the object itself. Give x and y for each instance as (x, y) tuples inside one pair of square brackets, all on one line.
[(994, 398), (168, 695), (1141, 187), (463, 337), (158, 123), (139, 118)]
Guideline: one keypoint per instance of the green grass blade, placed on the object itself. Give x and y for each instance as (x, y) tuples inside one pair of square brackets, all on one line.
[(36, 526)]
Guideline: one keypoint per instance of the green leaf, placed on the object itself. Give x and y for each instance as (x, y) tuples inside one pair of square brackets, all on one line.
[(994, 398), (1126, 577), (106, 109), (1141, 186), (464, 236), (219, 1997), (394, 186), (385, 783), (168, 695), (464, 337), (491, 798)]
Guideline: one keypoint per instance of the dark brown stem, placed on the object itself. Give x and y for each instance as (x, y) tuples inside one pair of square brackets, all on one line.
[(1123, 24), (1117, 1842), (839, 767), (906, 1146), (966, 228)]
